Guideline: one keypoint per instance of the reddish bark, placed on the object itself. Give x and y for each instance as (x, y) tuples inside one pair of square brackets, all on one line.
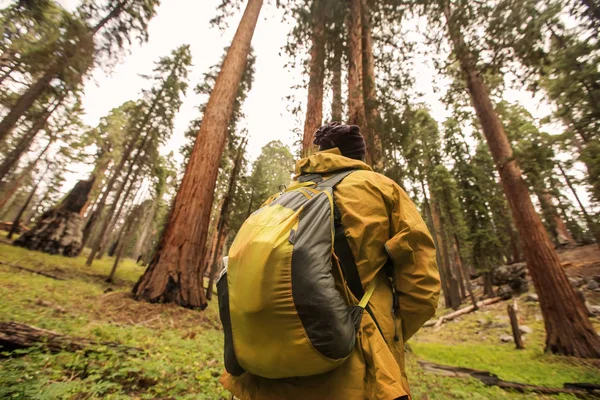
[(314, 105), (373, 117), (336, 82), (356, 104), (173, 274)]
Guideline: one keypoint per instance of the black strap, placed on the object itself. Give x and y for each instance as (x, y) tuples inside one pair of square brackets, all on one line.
[(347, 262)]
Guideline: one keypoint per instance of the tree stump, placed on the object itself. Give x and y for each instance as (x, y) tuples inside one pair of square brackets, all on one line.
[(60, 229), (514, 324)]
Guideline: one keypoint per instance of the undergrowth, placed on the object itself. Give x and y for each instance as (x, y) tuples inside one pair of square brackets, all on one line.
[(177, 352)]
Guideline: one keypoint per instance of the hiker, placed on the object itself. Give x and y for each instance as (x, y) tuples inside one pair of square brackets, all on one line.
[(386, 257)]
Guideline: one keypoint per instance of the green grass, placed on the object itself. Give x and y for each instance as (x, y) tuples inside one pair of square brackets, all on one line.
[(181, 349), (472, 341)]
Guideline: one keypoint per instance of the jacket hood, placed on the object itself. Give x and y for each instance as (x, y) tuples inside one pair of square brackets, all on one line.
[(328, 161)]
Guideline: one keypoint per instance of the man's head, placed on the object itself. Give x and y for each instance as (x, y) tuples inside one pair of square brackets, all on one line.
[(347, 138)]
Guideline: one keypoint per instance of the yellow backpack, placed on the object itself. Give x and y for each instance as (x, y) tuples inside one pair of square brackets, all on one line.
[(284, 298)]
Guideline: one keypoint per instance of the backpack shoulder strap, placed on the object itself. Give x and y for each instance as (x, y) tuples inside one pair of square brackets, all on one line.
[(332, 181), (340, 244)]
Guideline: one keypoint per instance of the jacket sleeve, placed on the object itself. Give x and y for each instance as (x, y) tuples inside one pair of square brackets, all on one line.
[(412, 251)]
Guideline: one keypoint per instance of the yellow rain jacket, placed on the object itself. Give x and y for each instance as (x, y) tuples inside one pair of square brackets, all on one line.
[(377, 215)]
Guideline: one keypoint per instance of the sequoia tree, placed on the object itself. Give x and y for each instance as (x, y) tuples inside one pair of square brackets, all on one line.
[(314, 105), (173, 274)]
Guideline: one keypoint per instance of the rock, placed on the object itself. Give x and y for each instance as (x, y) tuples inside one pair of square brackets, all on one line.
[(524, 329), (577, 282), (505, 274), (519, 285), (506, 338), (539, 317), (592, 285), (532, 297), (499, 325), (596, 278), (594, 309), (504, 291)]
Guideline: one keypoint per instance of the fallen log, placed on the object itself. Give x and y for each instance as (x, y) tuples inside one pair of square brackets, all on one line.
[(33, 271), (581, 390), (14, 336), (437, 323)]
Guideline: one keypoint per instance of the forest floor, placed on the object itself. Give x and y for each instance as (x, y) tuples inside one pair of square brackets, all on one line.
[(181, 349)]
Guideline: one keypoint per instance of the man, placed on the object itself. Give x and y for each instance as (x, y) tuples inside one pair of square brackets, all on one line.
[(382, 225)]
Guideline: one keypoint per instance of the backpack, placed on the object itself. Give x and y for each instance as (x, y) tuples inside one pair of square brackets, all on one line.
[(284, 298)]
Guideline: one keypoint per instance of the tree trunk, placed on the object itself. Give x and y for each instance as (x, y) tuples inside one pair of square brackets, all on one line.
[(222, 226), (314, 105), (212, 248), (173, 274), (17, 221), (112, 14), (568, 328), (113, 217), (216, 262), (106, 222), (457, 252), (514, 324), (115, 175), (123, 240), (336, 82), (373, 117), (436, 240), (12, 158), (488, 288), (591, 225), (98, 173), (148, 219), (515, 245), (560, 231), (7, 73), (12, 187), (356, 104), (27, 99), (451, 282), (58, 230)]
